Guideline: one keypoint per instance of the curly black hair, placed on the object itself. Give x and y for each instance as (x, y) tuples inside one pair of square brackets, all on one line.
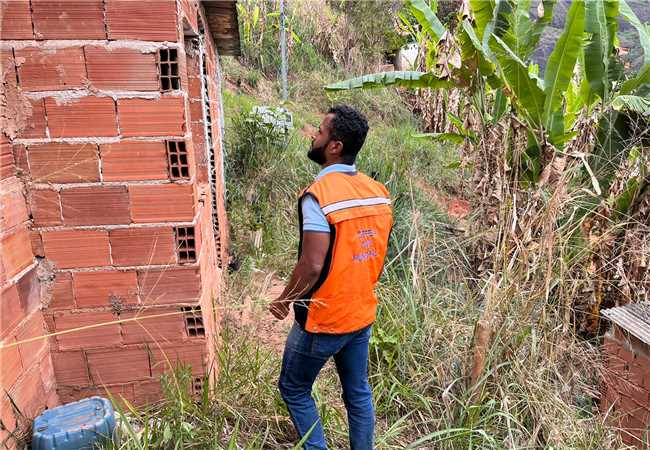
[(350, 127)]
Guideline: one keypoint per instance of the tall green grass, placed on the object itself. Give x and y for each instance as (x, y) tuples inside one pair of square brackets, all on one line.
[(541, 383)]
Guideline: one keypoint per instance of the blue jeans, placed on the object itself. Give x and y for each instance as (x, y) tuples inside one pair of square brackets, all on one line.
[(305, 354)]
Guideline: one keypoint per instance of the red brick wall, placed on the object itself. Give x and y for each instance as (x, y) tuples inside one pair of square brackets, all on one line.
[(26, 378), (101, 204), (210, 299), (626, 386)]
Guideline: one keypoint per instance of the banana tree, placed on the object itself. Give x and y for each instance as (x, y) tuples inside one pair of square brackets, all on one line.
[(495, 40), (581, 109)]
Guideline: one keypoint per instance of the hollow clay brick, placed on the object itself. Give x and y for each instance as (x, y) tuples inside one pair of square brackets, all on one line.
[(166, 286), (630, 405), (70, 368), (78, 248), (63, 163), (11, 310), (149, 328), (47, 376), (644, 367), (87, 116), (7, 162), (198, 140), (147, 392), (20, 157), (162, 203), (68, 19), (104, 288), (101, 205), (37, 244), (610, 345), (46, 207), (165, 357), (32, 352), (13, 210), (118, 365), (610, 401), (7, 66), (100, 336), (50, 69), (9, 420), (15, 20), (115, 393), (146, 20), (196, 110), (11, 365), (156, 117), (29, 290), (636, 374), (194, 93), (121, 69), (28, 393), (628, 389), (616, 365), (626, 354), (631, 435), (142, 246), (62, 296), (189, 9), (16, 253), (35, 124), (134, 160)]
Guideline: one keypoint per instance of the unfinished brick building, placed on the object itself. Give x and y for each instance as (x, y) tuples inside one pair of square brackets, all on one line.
[(112, 196), (626, 384)]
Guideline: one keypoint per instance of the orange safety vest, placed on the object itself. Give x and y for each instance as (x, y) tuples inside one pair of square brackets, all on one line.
[(358, 211)]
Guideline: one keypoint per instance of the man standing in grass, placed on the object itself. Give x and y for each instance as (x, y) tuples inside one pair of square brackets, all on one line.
[(345, 220)]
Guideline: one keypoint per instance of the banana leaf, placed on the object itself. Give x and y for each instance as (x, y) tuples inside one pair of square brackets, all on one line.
[(427, 19), (521, 83), (500, 105), (600, 22), (482, 11), (499, 23), (574, 104), (458, 123), (518, 35), (642, 28), (632, 103), (530, 162), (559, 67), (473, 50), (406, 78), (622, 203), (612, 146), (641, 78)]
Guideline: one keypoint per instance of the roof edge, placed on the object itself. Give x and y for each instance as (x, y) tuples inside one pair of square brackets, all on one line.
[(223, 24)]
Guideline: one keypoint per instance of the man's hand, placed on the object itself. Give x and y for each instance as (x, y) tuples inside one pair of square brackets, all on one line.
[(279, 308), (305, 274)]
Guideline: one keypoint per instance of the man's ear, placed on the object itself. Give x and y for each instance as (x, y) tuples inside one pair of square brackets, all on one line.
[(335, 148)]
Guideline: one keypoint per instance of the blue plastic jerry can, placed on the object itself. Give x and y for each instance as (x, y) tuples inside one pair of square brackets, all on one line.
[(74, 426)]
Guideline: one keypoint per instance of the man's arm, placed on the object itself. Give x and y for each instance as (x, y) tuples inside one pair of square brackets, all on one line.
[(310, 265)]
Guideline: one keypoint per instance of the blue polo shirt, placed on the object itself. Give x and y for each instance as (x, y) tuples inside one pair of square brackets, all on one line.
[(313, 218)]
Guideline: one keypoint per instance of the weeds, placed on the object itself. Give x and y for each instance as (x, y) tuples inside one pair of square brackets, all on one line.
[(539, 386)]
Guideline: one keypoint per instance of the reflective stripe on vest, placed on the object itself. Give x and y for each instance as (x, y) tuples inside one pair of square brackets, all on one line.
[(354, 203)]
